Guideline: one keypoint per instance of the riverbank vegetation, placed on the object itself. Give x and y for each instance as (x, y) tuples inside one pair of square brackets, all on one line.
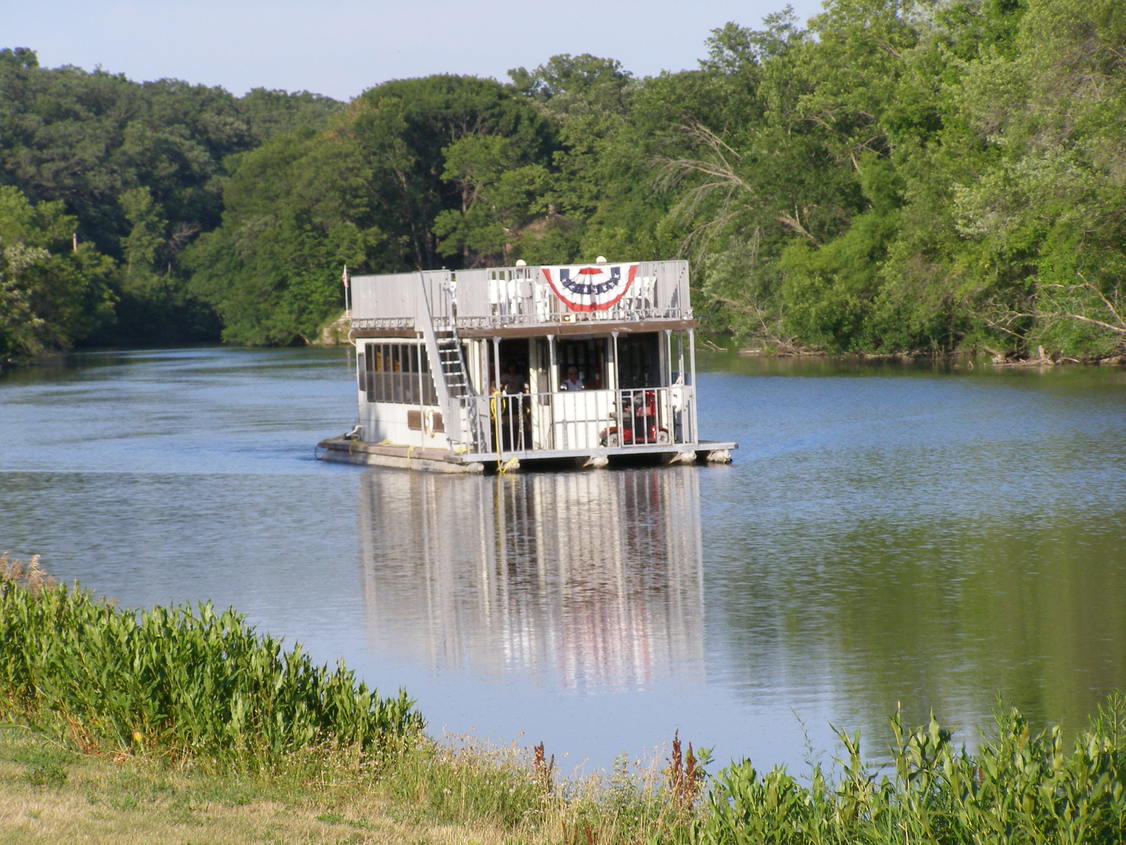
[(177, 725), (193, 683), (890, 176)]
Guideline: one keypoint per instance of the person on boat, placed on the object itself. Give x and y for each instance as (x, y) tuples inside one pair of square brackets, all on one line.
[(573, 380), (515, 408), (511, 381)]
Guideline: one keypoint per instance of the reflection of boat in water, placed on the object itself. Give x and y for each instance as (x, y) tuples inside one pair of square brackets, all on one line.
[(584, 581)]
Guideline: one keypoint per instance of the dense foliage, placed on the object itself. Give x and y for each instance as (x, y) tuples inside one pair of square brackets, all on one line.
[(407, 159), (1019, 787), (104, 183), (186, 682), (892, 176)]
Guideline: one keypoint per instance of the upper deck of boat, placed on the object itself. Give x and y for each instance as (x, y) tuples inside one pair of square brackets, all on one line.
[(526, 301)]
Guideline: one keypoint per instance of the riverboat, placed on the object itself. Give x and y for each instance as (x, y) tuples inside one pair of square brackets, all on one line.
[(506, 367)]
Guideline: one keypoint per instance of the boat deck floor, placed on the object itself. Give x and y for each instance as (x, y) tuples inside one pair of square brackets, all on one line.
[(344, 450)]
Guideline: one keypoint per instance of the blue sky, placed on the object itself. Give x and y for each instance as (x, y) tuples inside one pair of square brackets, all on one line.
[(342, 47)]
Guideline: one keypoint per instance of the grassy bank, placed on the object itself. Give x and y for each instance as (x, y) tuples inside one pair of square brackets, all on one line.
[(181, 725), (180, 682)]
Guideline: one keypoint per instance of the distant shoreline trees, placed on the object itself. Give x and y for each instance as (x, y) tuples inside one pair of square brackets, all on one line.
[(888, 178)]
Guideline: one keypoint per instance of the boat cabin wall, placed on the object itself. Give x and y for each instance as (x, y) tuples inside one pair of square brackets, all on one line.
[(395, 394), (560, 392)]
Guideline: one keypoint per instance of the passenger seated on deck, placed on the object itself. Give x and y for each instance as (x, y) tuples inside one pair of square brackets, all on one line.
[(572, 382)]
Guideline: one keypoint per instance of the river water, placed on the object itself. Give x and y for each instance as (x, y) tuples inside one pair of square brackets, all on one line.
[(887, 536)]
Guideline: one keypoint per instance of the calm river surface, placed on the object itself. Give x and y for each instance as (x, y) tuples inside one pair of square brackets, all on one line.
[(885, 535)]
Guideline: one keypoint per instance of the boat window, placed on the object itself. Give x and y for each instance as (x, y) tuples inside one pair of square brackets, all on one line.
[(397, 373), (587, 357)]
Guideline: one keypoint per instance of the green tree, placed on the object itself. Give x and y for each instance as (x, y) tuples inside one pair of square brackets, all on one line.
[(53, 292), (1045, 223), (271, 113), (405, 129), (154, 305), (587, 99), (98, 142), (501, 194), (295, 212)]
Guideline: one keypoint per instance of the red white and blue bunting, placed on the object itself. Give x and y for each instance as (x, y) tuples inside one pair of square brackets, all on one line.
[(590, 288)]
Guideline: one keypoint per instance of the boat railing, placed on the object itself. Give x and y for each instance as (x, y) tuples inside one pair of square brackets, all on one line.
[(520, 297), (586, 421), (512, 297)]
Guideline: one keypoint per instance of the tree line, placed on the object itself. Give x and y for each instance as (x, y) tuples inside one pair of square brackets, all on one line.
[(924, 176), (104, 185)]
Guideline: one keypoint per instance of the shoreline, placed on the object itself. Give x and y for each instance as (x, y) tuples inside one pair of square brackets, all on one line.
[(956, 358), (333, 336), (101, 761)]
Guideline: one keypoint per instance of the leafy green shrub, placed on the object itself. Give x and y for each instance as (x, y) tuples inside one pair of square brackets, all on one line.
[(186, 683), (1019, 787)]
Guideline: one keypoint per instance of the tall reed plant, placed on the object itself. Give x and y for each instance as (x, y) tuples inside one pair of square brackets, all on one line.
[(1018, 787), (178, 681)]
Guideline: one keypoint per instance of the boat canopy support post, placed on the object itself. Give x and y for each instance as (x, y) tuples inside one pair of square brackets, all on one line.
[(495, 398), (423, 373), (692, 380), (552, 365), (496, 362), (617, 381)]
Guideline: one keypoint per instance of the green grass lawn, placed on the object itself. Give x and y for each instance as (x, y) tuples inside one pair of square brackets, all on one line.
[(51, 794)]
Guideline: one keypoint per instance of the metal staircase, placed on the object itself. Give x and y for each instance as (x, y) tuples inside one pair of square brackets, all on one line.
[(447, 368)]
